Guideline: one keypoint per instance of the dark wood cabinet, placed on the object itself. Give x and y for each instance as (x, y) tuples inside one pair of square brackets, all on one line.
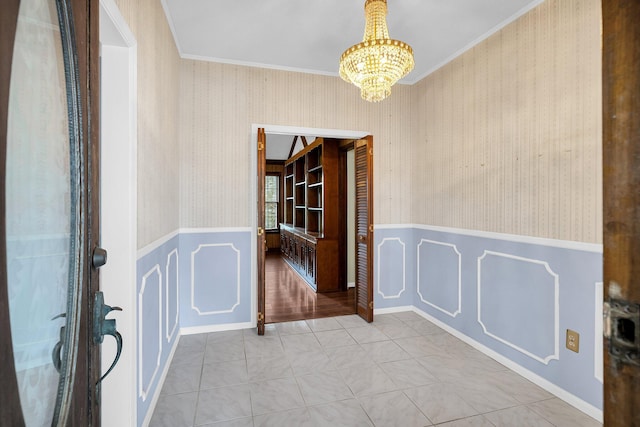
[(315, 259), (311, 229)]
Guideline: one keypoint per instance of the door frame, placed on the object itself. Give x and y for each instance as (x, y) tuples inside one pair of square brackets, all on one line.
[(261, 242), (253, 193), (118, 207), (621, 206)]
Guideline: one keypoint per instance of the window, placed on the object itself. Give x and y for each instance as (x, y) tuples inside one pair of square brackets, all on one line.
[(271, 201)]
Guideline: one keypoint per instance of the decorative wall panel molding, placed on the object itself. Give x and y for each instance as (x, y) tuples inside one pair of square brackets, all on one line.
[(391, 282), (518, 305), (444, 275), (598, 357), (172, 266), (215, 261), (149, 282)]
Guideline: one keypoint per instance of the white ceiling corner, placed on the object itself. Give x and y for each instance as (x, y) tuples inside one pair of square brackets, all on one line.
[(309, 37)]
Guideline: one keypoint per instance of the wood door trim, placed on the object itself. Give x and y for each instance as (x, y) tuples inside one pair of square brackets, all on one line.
[(92, 107), (621, 201), (10, 409), (261, 236), (85, 408)]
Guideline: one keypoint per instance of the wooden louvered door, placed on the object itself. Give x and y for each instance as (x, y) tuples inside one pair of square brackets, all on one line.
[(364, 227), (261, 240)]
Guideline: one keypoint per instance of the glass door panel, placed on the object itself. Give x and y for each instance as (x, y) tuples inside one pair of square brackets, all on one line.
[(42, 232)]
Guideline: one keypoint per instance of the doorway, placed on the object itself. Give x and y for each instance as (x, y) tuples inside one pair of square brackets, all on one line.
[(306, 275), (363, 290)]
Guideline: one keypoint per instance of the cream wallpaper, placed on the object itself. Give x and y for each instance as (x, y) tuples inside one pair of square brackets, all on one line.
[(508, 136), (158, 141), (220, 102), (505, 138)]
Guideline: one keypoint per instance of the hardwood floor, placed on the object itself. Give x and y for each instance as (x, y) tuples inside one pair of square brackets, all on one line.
[(288, 297)]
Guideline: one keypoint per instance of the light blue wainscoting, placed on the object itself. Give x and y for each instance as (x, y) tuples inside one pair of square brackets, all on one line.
[(514, 295), (517, 297), (393, 274), (215, 278), (157, 273)]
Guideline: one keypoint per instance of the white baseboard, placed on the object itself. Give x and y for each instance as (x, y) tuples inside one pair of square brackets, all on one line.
[(156, 393), (216, 328), (561, 393), (392, 310)]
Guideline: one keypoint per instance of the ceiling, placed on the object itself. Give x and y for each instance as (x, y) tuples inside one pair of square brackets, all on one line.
[(279, 145), (309, 36)]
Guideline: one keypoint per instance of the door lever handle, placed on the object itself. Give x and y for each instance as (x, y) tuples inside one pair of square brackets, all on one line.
[(103, 326)]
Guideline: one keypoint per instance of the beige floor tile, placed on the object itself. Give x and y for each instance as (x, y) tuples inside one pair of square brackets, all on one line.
[(520, 416), (560, 413), (399, 371)]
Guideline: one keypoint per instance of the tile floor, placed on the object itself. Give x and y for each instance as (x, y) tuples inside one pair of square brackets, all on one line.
[(400, 370)]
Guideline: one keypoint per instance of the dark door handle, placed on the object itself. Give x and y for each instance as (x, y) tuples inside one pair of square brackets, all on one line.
[(103, 326), (118, 338), (57, 349)]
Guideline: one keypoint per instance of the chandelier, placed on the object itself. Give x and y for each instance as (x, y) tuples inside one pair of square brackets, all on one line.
[(378, 62)]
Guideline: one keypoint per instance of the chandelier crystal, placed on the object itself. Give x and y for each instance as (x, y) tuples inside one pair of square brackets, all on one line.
[(378, 62)]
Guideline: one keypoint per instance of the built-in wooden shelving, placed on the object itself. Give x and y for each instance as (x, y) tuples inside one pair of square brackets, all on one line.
[(309, 234)]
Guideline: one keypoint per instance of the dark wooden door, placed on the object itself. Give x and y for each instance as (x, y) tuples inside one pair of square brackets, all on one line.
[(49, 364), (261, 239), (364, 227), (621, 175)]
